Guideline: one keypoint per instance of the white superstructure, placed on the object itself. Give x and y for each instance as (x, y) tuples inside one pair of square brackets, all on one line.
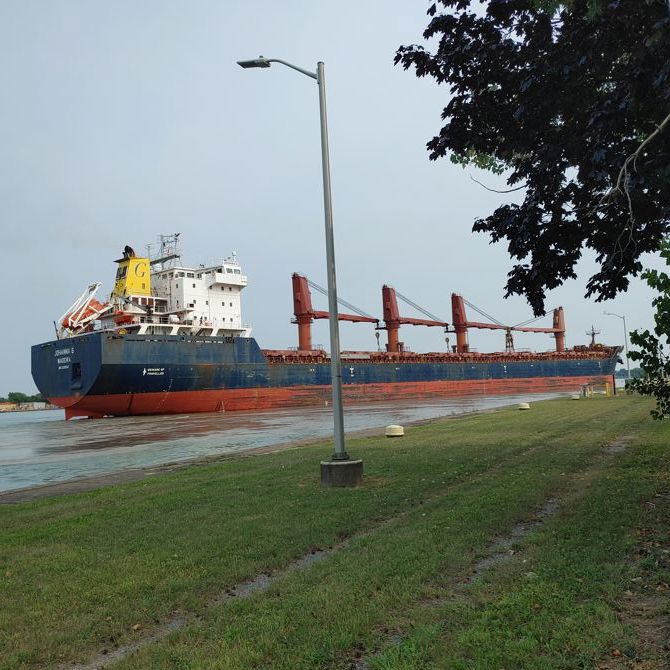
[(206, 298), (160, 295)]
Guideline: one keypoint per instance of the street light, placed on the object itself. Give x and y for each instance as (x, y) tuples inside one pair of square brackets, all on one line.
[(340, 470), (625, 338)]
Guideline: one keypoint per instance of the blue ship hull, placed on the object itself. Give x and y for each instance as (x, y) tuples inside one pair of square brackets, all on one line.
[(104, 373)]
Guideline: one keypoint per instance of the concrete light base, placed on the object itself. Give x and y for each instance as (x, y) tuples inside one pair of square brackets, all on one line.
[(341, 473)]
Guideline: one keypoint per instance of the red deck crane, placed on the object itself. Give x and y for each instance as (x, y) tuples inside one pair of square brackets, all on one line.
[(305, 313), (393, 320), (461, 325)]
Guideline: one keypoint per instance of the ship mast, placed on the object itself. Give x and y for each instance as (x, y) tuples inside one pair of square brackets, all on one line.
[(168, 253), (593, 332)]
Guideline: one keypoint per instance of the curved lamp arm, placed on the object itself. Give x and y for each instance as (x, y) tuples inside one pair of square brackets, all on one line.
[(261, 61)]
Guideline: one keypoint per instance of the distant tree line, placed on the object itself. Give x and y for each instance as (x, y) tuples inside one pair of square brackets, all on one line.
[(635, 373), (20, 398)]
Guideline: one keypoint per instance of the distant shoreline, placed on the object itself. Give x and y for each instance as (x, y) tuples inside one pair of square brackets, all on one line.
[(28, 409)]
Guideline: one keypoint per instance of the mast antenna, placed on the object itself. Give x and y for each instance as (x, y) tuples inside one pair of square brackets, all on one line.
[(593, 332)]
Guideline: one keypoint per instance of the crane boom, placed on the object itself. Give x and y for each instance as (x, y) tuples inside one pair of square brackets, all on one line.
[(461, 325), (305, 313), (393, 320)]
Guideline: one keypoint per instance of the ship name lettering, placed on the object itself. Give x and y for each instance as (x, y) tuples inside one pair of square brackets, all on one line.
[(63, 352), (67, 359)]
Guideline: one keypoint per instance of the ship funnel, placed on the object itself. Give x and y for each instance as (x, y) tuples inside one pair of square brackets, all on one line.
[(133, 275)]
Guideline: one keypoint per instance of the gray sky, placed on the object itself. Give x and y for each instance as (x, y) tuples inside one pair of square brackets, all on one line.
[(123, 120)]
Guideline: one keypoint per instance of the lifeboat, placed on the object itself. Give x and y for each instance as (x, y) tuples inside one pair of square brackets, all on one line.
[(123, 318), (80, 317)]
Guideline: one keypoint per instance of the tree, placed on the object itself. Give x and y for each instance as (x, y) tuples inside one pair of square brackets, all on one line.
[(654, 353), (571, 100), (635, 373), (18, 397)]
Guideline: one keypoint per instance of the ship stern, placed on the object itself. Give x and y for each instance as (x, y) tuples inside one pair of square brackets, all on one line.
[(64, 370)]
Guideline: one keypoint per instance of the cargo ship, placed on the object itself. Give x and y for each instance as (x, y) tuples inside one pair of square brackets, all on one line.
[(170, 339)]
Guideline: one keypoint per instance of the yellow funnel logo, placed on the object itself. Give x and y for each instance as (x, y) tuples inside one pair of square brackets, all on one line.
[(132, 277)]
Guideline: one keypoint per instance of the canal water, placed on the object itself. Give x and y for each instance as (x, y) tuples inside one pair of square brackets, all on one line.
[(42, 448)]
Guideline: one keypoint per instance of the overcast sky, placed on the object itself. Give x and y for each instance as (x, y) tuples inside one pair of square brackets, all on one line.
[(123, 120)]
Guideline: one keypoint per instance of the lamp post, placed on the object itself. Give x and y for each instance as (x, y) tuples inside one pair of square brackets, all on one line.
[(340, 470), (625, 339)]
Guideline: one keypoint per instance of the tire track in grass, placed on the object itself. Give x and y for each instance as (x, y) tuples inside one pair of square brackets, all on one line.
[(108, 656), (162, 655), (501, 550), (502, 460)]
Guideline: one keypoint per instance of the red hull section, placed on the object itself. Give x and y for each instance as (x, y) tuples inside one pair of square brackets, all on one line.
[(233, 400)]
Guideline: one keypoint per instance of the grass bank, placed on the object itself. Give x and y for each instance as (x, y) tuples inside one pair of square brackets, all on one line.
[(84, 574)]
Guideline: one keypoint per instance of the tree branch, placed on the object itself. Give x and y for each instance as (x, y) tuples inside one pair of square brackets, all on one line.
[(623, 173), (493, 190), (622, 186)]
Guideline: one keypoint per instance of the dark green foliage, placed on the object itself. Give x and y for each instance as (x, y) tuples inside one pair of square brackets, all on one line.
[(653, 353), (19, 398), (560, 95)]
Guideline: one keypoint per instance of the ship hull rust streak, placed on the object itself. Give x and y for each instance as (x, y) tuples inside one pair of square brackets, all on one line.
[(230, 400), (100, 374)]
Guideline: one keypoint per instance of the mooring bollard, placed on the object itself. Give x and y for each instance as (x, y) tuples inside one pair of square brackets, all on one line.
[(394, 431)]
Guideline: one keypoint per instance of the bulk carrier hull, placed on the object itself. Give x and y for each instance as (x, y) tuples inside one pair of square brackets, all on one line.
[(109, 374)]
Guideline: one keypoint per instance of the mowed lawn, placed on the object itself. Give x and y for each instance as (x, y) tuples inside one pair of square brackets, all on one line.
[(85, 574)]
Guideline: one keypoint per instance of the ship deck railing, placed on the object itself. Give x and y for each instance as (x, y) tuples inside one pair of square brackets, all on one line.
[(358, 357)]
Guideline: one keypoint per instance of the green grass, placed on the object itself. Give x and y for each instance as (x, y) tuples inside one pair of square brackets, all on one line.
[(560, 607), (76, 573)]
